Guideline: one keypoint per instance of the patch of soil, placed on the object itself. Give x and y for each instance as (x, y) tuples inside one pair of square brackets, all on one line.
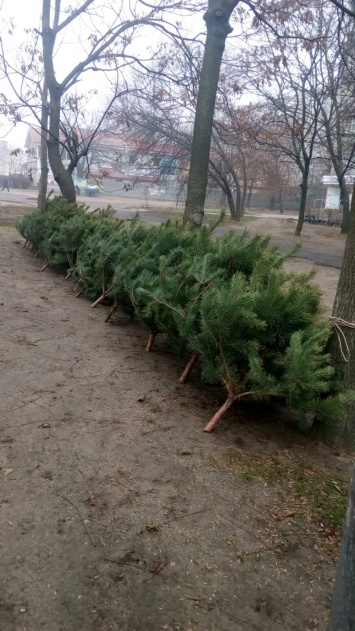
[(9, 213), (115, 510)]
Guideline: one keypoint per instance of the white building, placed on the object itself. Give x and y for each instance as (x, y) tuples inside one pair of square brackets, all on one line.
[(332, 199)]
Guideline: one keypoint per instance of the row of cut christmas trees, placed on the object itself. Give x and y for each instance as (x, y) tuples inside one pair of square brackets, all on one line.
[(226, 302)]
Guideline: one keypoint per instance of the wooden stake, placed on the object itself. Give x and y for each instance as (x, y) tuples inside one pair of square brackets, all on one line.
[(67, 276), (44, 266), (78, 294), (188, 368)]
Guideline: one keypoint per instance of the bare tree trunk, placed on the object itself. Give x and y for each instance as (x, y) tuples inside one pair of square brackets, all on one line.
[(344, 308), (281, 204), (43, 180), (60, 174), (242, 205), (222, 200), (342, 617), (218, 28), (345, 199), (238, 200), (303, 201), (250, 191), (231, 204)]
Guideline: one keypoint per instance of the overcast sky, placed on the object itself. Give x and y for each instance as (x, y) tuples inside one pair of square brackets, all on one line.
[(26, 14)]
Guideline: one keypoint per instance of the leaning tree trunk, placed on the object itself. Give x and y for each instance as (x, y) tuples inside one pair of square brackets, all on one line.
[(43, 180), (342, 617), (344, 308), (303, 201), (218, 28), (231, 205), (60, 174)]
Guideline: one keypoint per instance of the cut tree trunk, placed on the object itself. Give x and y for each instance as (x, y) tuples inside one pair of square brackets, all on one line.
[(111, 312), (217, 417), (150, 342), (188, 368)]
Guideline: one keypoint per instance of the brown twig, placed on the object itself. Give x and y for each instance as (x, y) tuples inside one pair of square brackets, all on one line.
[(79, 513), (243, 529), (137, 567)]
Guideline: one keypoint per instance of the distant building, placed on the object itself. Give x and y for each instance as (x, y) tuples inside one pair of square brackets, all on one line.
[(332, 199), (120, 161)]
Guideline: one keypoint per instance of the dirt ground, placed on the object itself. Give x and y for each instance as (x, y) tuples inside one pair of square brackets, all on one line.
[(116, 511)]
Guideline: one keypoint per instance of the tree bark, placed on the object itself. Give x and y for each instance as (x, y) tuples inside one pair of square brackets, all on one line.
[(238, 200), (60, 174), (342, 617), (281, 204), (344, 307), (303, 201), (250, 191), (43, 180), (345, 199), (218, 28)]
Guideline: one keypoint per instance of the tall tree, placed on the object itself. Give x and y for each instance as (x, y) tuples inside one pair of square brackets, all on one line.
[(275, 17), (218, 28), (286, 76), (337, 99)]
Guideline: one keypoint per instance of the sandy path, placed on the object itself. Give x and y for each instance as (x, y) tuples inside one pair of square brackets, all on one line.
[(111, 513)]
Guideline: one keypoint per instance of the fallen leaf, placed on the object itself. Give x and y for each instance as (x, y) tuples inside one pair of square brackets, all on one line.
[(289, 513), (7, 471), (336, 485), (158, 565)]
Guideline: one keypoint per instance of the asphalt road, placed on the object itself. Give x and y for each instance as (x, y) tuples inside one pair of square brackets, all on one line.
[(327, 254)]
